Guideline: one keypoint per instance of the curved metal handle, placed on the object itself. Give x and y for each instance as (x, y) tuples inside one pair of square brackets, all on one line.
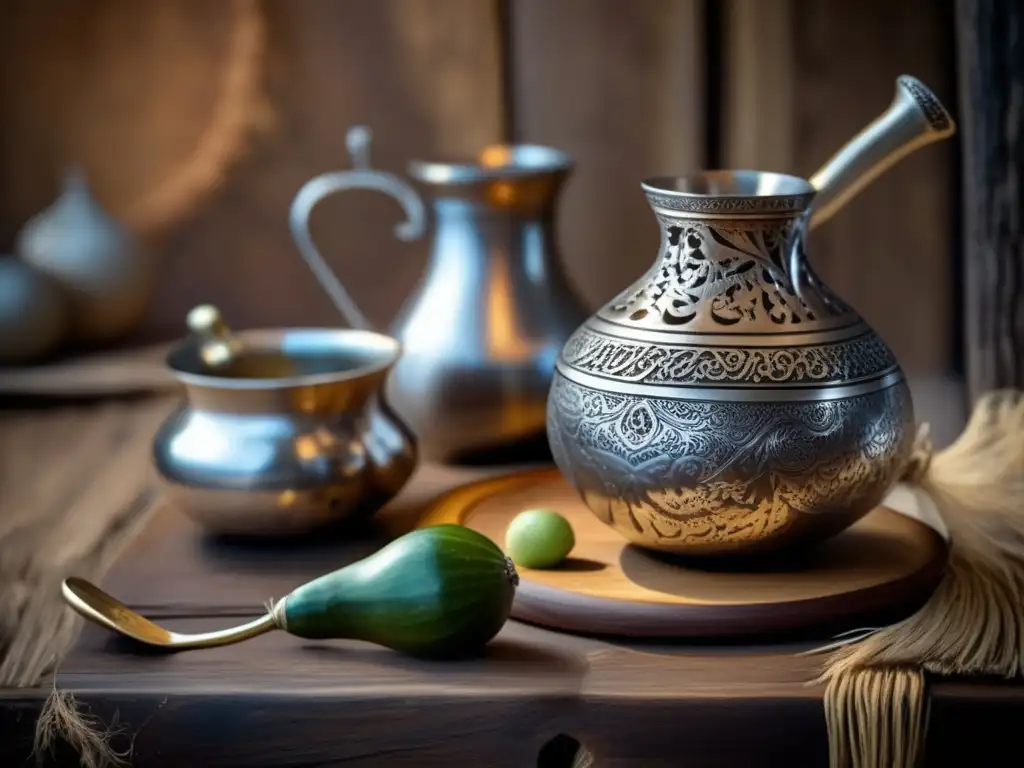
[(914, 119), (92, 603), (360, 177)]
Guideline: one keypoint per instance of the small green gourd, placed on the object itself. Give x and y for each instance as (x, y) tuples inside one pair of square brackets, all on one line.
[(437, 592), (539, 538)]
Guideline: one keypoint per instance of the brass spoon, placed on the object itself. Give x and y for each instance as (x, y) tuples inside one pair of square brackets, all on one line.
[(348, 604), (92, 603)]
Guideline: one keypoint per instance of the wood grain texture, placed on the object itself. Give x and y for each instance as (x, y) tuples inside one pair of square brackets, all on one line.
[(350, 704), (77, 86), (620, 87), (207, 578), (992, 81), (758, 110), (315, 713), (316, 716), (885, 565), (113, 373), (75, 484), (283, 702), (801, 80)]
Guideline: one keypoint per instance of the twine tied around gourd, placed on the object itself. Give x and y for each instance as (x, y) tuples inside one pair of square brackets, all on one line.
[(973, 624)]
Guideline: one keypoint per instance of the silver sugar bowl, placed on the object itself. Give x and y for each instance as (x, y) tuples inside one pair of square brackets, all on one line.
[(282, 431)]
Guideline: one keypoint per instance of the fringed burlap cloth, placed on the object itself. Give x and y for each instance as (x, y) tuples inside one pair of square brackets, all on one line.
[(71, 521), (876, 703), (876, 694)]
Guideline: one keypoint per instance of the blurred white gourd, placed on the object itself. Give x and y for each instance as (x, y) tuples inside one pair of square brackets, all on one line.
[(33, 313), (106, 274)]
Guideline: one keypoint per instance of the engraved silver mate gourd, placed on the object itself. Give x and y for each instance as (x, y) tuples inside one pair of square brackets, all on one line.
[(728, 402), (283, 431)]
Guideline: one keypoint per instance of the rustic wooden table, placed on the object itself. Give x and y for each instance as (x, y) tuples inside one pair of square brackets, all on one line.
[(71, 477)]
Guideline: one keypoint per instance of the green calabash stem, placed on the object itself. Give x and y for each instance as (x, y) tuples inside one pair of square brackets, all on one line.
[(441, 591)]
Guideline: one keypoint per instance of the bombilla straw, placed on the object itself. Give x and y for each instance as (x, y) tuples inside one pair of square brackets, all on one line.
[(914, 119)]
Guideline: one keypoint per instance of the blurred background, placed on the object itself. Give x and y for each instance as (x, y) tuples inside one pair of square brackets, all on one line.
[(196, 122)]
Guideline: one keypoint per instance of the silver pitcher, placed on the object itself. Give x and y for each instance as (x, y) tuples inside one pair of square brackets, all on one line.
[(481, 333), (728, 402)]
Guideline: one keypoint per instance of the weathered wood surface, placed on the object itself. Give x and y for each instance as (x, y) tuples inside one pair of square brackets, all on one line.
[(116, 372), (801, 79), (992, 122), (157, 102), (279, 701), (292, 706), (75, 484)]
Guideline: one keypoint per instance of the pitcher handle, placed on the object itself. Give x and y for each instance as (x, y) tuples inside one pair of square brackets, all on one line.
[(360, 177)]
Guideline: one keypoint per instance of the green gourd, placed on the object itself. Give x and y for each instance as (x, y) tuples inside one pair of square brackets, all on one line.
[(439, 591)]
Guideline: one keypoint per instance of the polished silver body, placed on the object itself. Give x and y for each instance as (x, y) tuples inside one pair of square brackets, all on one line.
[(289, 437), (728, 402), (483, 329)]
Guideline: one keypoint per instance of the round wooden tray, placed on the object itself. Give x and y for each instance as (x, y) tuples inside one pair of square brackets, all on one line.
[(881, 569)]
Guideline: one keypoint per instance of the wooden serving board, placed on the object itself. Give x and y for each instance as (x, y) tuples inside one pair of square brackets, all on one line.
[(879, 570)]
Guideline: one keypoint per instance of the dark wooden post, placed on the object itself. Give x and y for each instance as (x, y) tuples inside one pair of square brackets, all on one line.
[(991, 63)]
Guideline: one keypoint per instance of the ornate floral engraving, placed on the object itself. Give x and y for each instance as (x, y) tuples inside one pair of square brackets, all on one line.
[(933, 110), (711, 477), (777, 204), (618, 358), (733, 274)]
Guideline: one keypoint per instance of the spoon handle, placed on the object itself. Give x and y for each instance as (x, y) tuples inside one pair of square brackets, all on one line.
[(183, 642), (92, 603)]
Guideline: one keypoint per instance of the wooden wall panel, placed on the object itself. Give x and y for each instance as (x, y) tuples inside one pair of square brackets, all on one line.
[(800, 80), (992, 80), (155, 101), (620, 87), (758, 112), (424, 74)]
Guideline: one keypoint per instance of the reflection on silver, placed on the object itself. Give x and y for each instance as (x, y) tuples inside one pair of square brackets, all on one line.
[(718, 478), (287, 437), (728, 402), (482, 331)]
